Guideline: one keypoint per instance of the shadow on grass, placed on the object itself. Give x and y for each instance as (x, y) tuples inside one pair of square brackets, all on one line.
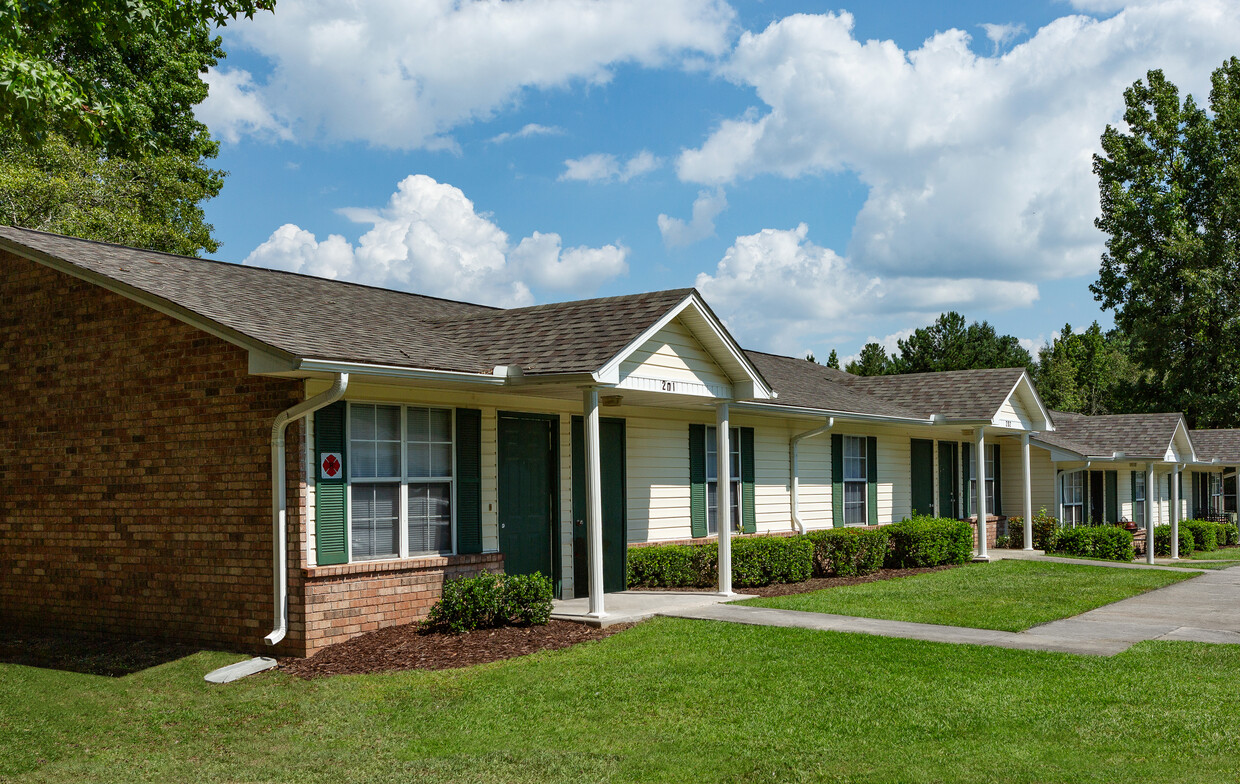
[(89, 654)]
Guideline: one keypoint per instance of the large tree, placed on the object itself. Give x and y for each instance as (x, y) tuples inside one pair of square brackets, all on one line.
[(1087, 372), (872, 361), (135, 171), (1170, 193), (951, 344)]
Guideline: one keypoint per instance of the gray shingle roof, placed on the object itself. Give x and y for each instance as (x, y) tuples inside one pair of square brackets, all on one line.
[(318, 318), (955, 394), (803, 383), (1136, 435), (1221, 445)]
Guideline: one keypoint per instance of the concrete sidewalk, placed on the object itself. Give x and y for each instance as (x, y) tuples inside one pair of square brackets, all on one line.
[(1204, 609), (632, 606)]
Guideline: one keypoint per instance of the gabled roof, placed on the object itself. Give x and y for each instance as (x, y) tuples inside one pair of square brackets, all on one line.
[(1145, 436), (954, 394), (1221, 446), (802, 383)]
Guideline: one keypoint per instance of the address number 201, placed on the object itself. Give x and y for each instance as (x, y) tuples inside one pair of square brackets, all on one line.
[(668, 386)]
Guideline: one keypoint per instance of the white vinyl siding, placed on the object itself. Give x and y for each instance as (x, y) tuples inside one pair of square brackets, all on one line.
[(674, 354)]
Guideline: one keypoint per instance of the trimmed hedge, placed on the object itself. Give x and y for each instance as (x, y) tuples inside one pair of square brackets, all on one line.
[(1045, 528), (1162, 541), (1205, 534), (929, 541), (1096, 541), (490, 600), (849, 552), (1231, 534), (756, 561)]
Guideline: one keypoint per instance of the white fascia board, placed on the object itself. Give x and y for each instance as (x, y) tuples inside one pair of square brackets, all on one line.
[(394, 371), (146, 299), (610, 372), (1181, 428), (778, 409)]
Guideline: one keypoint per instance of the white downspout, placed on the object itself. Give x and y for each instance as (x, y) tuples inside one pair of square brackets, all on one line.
[(279, 501), (793, 443)]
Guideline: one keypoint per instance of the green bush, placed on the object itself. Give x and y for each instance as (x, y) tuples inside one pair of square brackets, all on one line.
[(1002, 542), (763, 560), (1045, 528), (849, 552), (929, 541), (1232, 532), (1205, 534), (668, 566), (1162, 541), (1096, 541), (490, 600)]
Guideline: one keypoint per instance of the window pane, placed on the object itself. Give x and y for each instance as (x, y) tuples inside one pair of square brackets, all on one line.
[(854, 503), (441, 459), (854, 458), (429, 451), (430, 518), (712, 456), (419, 460), (712, 507), (416, 423), (387, 423), (440, 425), (374, 441), (374, 516)]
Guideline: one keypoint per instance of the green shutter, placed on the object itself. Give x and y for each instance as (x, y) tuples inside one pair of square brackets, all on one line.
[(871, 479), (837, 480), (1112, 497), (749, 517), (1195, 511), (966, 465), (697, 480), (330, 526), (1133, 496), (468, 480), (998, 510)]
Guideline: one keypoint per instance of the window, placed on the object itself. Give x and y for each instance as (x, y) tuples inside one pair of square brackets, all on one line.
[(400, 470), (712, 478), (1073, 498), (990, 481), (1138, 497), (1216, 493), (856, 488)]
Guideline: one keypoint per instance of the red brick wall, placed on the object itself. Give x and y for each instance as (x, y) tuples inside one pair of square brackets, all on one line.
[(134, 469)]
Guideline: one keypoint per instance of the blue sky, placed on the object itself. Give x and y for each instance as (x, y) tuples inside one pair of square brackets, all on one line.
[(825, 176)]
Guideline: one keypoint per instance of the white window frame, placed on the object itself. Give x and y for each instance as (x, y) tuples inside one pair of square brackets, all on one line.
[(1073, 480), (404, 480), (990, 482), (864, 481), (712, 467), (1214, 493), (1138, 504)]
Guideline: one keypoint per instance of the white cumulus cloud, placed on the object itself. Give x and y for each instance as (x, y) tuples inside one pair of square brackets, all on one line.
[(975, 166), (404, 74), (706, 207), (233, 108), (528, 130), (605, 167), (429, 239), (779, 291)]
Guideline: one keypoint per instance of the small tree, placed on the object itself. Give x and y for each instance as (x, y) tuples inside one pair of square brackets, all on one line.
[(873, 361), (833, 361)]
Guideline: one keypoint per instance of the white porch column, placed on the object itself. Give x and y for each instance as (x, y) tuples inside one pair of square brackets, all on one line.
[(1149, 513), (980, 473), (1175, 513), (1027, 489), (723, 497), (1058, 493), (594, 503)]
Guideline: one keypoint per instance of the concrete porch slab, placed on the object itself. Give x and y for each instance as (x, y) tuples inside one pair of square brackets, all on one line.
[(633, 606)]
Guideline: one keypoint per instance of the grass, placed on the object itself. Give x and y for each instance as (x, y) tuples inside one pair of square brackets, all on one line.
[(1225, 554), (668, 701), (1008, 595)]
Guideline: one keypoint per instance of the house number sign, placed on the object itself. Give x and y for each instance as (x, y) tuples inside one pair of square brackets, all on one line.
[(668, 386), (330, 464)]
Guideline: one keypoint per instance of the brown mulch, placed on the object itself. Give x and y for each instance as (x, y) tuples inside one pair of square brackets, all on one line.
[(817, 583), (409, 648)]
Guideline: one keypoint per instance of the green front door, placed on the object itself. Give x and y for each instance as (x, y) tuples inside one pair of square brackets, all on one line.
[(922, 463), (615, 529), (527, 493), (949, 479)]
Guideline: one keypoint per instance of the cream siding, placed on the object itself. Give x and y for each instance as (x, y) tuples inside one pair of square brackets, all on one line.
[(1014, 413), (674, 354)]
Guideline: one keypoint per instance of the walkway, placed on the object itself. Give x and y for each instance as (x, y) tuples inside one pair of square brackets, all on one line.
[(1205, 609), (632, 606)]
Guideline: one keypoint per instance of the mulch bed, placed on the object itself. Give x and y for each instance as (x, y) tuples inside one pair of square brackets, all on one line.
[(408, 648), (815, 583)]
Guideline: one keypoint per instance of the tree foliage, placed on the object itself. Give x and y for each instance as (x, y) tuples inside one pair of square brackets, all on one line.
[(833, 360), (59, 60), (1087, 372), (951, 344), (872, 361), (1170, 195)]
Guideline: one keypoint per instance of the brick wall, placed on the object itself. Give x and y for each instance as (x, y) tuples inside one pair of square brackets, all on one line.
[(134, 469)]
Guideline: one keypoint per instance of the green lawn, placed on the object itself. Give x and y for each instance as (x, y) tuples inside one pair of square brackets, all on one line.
[(668, 701), (1226, 554), (1006, 595)]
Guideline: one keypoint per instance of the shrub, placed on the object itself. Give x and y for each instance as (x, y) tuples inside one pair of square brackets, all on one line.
[(1045, 528), (1096, 541), (666, 566), (929, 541), (1232, 532), (764, 560), (488, 600), (1002, 542), (1162, 541), (527, 599), (849, 552), (1205, 535)]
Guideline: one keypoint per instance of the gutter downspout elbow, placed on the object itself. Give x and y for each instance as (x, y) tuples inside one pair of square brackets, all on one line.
[(797, 523), (279, 500)]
